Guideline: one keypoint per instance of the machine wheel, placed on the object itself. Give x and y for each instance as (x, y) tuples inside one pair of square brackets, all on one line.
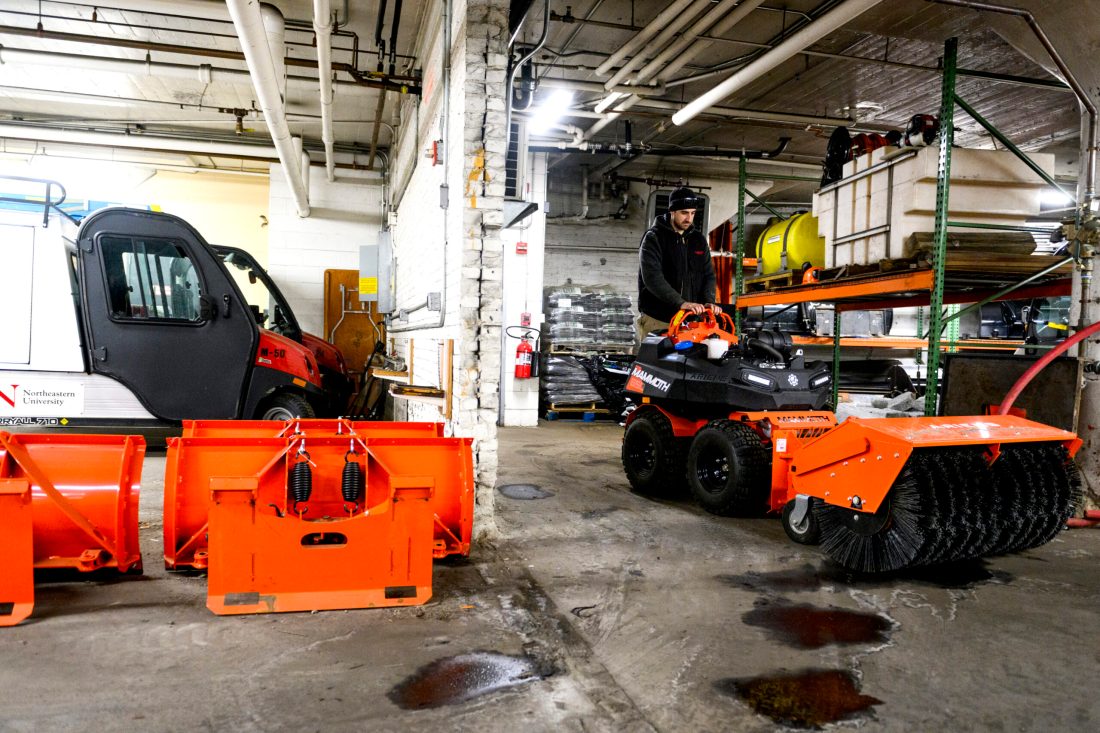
[(729, 469), (652, 457), (286, 406), (806, 532)]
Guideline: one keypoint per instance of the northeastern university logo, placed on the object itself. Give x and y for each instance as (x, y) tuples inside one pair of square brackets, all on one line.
[(9, 397)]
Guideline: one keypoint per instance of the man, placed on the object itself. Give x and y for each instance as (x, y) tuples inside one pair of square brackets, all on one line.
[(675, 272)]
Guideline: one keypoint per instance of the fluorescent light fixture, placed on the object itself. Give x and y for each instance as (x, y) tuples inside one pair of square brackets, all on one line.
[(550, 111)]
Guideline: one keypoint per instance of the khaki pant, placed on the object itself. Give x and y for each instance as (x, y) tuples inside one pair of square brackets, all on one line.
[(645, 324)]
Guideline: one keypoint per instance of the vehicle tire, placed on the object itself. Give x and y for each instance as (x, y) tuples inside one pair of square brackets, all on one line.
[(652, 456), (286, 406), (729, 469), (806, 532)]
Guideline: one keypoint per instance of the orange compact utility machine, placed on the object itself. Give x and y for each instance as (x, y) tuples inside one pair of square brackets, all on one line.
[(745, 420)]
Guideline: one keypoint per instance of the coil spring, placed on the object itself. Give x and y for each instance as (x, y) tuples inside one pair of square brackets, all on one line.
[(301, 480), (351, 483)]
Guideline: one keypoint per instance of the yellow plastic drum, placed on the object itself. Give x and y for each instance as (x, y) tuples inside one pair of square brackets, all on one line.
[(797, 237)]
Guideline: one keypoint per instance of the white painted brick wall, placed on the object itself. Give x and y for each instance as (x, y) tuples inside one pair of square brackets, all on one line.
[(344, 215), (458, 253)]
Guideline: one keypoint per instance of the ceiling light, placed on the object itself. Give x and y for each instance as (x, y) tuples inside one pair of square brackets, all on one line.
[(550, 111)]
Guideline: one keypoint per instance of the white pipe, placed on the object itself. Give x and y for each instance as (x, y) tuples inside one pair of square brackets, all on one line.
[(802, 39), (303, 158), (666, 34), (708, 21), (752, 114), (275, 29), (595, 86), (642, 36), (192, 72), (322, 27), (274, 23), (250, 30), (679, 62), (128, 139)]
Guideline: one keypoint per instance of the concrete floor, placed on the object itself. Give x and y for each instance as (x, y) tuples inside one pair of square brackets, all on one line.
[(593, 610)]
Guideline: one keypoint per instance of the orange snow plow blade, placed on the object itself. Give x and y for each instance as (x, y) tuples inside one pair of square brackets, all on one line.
[(66, 501), (185, 516), (316, 514)]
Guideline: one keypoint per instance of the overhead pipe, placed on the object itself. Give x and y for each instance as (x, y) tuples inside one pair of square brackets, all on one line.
[(622, 104), (595, 86), (379, 25), (690, 44), (126, 139), (395, 25), (663, 37), (273, 21), (635, 43), (801, 39), (689, 54), (1082, 96), (134, 67), (250, 29), (523, 60), (322, 29)]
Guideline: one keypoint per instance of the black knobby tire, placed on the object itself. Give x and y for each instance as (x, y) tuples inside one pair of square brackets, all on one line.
[(652, 456), (286, 406), (729, 469), (806, 532)]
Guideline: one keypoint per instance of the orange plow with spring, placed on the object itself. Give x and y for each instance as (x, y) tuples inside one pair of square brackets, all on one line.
[(316, 514), (66, 501)]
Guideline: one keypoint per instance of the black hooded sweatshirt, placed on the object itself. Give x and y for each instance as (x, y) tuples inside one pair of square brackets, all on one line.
[(675, 268)]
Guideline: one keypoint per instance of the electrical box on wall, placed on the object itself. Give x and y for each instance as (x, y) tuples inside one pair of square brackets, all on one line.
[(379, 260), (368, 273), (657, 204)]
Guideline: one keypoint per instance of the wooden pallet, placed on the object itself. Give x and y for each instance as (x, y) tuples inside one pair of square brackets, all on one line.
[(774, 280), (582, 412)]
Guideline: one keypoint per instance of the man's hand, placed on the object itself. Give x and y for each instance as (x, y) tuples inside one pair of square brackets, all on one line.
[(694, 308)]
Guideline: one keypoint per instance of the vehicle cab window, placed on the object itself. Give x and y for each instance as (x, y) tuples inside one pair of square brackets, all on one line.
[(150, 279)]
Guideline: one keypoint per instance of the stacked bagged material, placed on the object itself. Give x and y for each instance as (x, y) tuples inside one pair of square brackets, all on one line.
[(573, 321), (616, 320), (565, 381)]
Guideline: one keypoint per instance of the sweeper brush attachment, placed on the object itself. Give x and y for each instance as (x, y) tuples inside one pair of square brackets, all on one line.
[(899, 493), (66, 501)]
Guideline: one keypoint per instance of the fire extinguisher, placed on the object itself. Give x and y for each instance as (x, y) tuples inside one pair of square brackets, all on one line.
[(523, 358), (527, 364)]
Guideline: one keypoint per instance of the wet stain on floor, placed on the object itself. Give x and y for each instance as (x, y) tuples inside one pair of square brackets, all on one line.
[(964, 574), (599, 513), (805, 699), (524, 492), (805, 578), (808, 627), (453, 680)]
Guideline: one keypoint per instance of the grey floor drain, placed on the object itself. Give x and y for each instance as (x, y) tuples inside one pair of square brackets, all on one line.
[(523, 491)]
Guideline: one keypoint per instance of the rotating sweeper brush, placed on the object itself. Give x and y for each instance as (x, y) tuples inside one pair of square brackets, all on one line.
[(740, 420)]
